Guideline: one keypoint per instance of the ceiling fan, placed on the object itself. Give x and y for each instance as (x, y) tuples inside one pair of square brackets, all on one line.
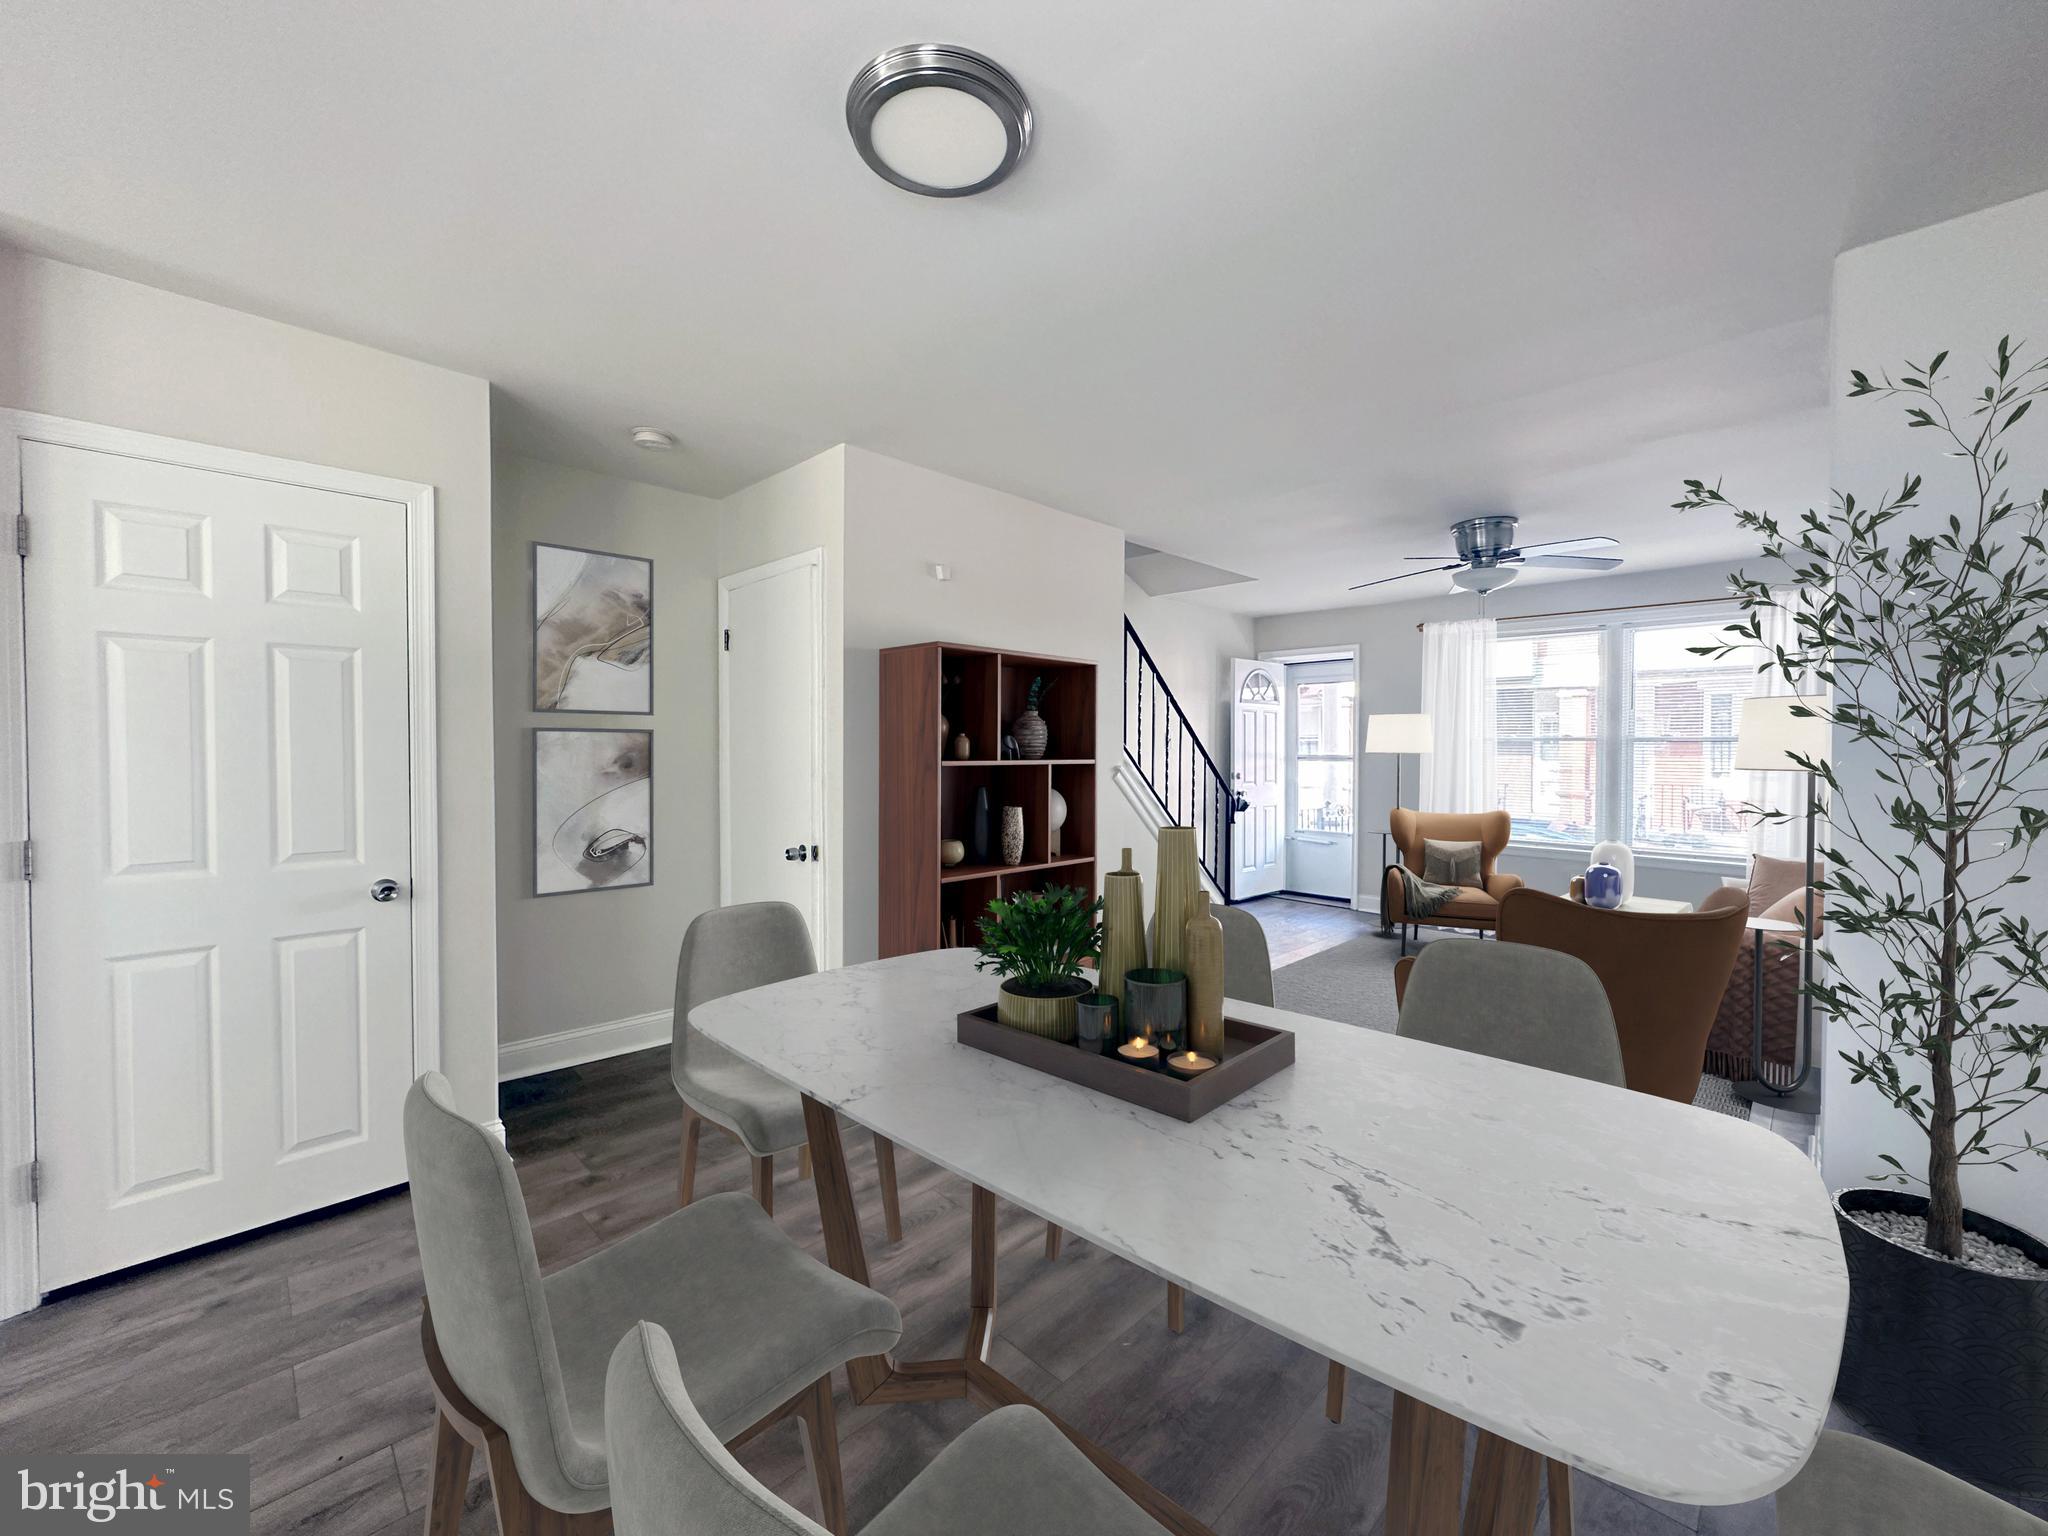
[(1489, 557)]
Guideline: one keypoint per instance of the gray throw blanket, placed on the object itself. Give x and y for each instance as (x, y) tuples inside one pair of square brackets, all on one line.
[(1425, 898)]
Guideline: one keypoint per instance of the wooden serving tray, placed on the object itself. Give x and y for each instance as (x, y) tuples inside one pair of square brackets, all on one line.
[(1251, 1054)]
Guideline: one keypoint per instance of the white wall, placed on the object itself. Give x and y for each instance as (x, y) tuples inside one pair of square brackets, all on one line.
[(1193, 647), (804, 508), (573, 962), (1025, 577), (1960, 286), (1390, 682), (94, 348)]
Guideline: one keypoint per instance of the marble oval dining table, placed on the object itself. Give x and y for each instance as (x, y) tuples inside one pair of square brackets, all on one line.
[(1645, 1290)]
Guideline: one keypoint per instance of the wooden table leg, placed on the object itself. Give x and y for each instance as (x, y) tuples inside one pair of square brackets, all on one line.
[(1506, 1479), (981, 1285), (1425, 1470), (1560, 1499), (885, 1170), (841, 1221)]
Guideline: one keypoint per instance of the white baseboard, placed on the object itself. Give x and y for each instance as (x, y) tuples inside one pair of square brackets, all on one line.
[(574, 1047), (497, 1129)]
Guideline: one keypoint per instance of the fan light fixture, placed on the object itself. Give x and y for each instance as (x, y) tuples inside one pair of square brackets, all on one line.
[(1484, 578), (938, 120)]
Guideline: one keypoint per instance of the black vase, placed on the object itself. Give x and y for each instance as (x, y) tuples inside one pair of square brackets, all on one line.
[(980, 836), (1947, 1362)]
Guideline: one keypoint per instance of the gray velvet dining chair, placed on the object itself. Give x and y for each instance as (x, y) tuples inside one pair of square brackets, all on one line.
[(735, 949), (1855, 1487), (1011, 1474), (517, 1361), (1517, 1003)]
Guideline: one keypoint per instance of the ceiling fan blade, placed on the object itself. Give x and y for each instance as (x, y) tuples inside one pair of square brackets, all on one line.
[(1574, 562), (1455, 565), (1569, 546)]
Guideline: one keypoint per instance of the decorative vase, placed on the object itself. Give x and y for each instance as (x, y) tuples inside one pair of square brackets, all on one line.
[(1053, 824), (1029, 729), (1123, 927), (1173, 895), (1050, 1012), (962, 747), (1156, 1007), (952, 851), (1013, 834), (1095, 1018), (1603, 886), (1948, 1362), (980, 832), (944, 731), (1205, 979)]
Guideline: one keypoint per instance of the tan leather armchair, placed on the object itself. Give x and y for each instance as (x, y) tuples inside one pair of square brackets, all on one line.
[(1664, 973), (1478, 909)]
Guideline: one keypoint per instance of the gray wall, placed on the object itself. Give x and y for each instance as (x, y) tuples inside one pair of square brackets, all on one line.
[(1390, 682), (567, 962)]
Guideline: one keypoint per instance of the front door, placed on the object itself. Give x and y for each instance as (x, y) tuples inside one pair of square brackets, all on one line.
[(1257, 764), (218, 773), (773, 739)]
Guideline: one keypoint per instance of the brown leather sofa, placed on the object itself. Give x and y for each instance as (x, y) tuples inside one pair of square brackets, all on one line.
[(1474, 908), (1664, 973)]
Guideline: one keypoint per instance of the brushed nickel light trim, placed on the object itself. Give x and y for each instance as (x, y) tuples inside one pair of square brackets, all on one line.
[(948, 66)]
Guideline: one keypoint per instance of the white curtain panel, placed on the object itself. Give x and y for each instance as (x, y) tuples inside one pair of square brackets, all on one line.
[(1457, 695), (1779, 791)]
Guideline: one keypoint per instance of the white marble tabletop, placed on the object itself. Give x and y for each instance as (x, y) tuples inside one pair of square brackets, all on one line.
[(1651, 1292)]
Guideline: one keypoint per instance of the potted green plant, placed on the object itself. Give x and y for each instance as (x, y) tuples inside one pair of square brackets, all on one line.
[(1930, 633), (1036, 941)]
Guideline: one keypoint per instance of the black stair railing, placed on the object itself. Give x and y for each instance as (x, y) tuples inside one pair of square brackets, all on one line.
[(1167, 752)]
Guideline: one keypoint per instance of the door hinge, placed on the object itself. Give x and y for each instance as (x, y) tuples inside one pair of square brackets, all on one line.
[(21, 534), (28, 861), (35, 1181), (728, 639)]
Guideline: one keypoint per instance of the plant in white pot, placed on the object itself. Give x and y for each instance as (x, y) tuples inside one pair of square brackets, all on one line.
[(1036, 941), (1931, 632)]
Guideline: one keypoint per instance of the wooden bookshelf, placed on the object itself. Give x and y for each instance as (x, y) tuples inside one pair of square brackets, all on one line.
[(927, 795)]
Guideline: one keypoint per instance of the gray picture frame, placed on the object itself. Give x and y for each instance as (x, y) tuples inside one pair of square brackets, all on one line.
[(537, 649), (597, 791)]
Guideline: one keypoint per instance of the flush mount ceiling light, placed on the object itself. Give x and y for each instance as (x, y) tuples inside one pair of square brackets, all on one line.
[(938, 120), (1484, 578), (653, 439)]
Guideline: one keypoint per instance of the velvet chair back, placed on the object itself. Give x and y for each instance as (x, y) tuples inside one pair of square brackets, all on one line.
[(1513, 1002), (728, 950)]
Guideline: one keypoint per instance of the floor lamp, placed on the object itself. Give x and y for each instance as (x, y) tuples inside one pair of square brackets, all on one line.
[(1395, 735), (1775, 738)]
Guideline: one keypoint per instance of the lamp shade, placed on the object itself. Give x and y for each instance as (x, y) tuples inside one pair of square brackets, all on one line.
[(1398, 733), (1770, 735)]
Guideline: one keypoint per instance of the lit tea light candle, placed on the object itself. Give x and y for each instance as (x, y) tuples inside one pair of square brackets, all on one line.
[(1139, 1052), (1189, 1064)]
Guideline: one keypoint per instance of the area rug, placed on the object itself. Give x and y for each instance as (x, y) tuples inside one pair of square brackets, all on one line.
[(1353, 983)]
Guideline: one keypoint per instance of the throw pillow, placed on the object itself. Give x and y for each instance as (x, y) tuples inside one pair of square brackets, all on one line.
[(1450, 863), (1772, 880)]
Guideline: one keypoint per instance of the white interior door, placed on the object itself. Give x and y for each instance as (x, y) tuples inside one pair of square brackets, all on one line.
[(1257, 765), (772, 714), (218, 745)]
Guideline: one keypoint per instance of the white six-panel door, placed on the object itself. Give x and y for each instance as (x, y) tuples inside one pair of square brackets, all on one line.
[(1257, 760), (217, 710)]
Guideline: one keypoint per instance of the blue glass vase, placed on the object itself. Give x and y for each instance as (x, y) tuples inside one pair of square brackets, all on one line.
[(1603, 886)]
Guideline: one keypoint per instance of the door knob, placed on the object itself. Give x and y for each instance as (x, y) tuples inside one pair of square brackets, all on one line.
[(800, 854), (384, 890)]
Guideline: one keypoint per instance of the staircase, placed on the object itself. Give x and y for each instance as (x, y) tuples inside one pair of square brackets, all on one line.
[(1166, 754)]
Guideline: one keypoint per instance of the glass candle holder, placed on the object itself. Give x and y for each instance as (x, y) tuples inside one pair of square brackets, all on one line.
[(1156, 1008), (1096, 1019)]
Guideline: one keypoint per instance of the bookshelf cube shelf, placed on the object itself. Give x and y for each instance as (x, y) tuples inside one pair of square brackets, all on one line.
[(928, 793)]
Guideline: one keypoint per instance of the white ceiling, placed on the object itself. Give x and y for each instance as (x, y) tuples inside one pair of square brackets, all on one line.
[(1284, 288)]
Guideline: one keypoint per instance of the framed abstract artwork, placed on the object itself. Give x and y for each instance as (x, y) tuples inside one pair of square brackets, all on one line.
[(593, 632), (593, 810)]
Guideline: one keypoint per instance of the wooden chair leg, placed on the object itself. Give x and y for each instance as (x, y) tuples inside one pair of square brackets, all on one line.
[(1333, 1399), (803, 1161), (764, 1183), (693, 1132), (885, 1166), (1053, 1238), (450, 1482), (1176, 1307), (1560, 1498), (818, 1421)]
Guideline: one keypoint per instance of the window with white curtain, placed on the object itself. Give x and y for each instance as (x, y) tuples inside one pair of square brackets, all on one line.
[(1619, 730)]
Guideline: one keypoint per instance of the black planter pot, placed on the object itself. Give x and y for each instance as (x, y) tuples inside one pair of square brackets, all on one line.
[(1950, 1362)]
